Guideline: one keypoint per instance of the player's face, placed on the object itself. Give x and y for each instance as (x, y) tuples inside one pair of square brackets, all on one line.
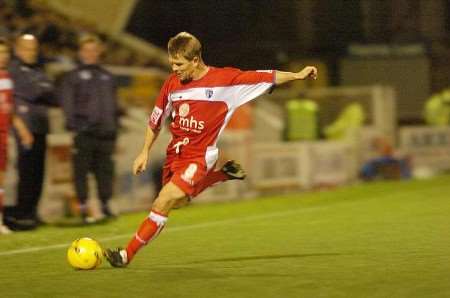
[(27, 50), (4, 56), (183, 68), (90, 52)]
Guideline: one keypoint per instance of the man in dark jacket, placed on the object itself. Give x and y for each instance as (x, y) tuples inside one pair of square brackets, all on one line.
[(33, 93), (88, 97)]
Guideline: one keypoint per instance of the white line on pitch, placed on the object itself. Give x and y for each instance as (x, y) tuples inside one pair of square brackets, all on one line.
[(174, 229)]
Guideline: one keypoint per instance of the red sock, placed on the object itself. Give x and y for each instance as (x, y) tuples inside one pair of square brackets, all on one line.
[(149, 229), (212, 178)]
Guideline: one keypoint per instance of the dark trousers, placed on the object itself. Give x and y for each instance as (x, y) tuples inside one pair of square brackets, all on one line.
[(93, 154), (31, 166)]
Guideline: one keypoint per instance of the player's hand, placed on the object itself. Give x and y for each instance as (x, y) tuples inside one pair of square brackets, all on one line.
[(26, 139), (307, 72), (140, 163)]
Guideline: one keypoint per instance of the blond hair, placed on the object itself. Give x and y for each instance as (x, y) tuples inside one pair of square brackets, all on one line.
[(186, 45)]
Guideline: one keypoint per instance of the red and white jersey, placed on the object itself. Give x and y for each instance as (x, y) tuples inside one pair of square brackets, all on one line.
[(6, 100), (201, 109)]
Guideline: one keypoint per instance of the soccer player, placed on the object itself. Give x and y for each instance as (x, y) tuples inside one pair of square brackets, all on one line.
[(200, 100), (7, 117)]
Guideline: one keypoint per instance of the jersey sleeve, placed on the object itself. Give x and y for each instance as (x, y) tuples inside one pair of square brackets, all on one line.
[(161, 109), (250, 84)]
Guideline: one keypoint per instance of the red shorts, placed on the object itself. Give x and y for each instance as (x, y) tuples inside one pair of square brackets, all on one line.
[(3, 150), (185, 173)]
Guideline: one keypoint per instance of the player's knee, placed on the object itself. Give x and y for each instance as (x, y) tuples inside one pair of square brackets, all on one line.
[(167, 199), (181, 203), (171, 194)]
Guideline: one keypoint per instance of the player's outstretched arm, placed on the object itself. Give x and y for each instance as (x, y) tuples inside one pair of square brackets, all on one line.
[(141, 161), (282, 77)]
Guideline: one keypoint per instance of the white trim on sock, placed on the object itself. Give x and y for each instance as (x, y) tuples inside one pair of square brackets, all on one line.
[(159, 219), (140, 239)]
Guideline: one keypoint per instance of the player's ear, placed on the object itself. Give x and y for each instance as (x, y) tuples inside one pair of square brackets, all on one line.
[(195, 60)]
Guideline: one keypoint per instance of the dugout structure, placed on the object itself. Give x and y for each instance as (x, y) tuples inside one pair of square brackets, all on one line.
[(310, 164)]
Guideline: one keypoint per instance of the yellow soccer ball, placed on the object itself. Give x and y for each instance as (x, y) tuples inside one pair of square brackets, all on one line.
[(85, 253)]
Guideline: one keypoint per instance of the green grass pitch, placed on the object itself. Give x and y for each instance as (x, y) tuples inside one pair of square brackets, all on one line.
[(389, 239)]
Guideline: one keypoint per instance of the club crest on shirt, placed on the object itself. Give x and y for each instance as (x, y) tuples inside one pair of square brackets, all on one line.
[(22, 109), (209, 93), (183, 111)]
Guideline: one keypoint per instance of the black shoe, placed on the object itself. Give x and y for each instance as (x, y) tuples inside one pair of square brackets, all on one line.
[(39, 222), (86, 219), (116, 257), (19, 224), (234, 170), (107, 212)]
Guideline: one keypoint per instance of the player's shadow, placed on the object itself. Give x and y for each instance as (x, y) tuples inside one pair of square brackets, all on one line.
[(172, 273), (267, 257)]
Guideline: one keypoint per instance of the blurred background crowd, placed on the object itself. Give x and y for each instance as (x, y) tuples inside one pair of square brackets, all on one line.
[(379, 110), (58, 33)]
